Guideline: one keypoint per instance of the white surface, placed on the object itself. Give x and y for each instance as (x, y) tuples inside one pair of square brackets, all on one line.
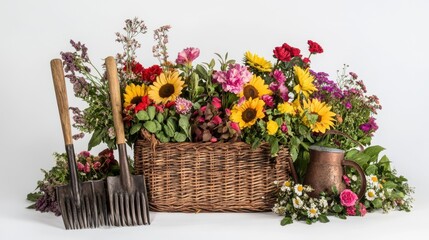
[(384, 42)]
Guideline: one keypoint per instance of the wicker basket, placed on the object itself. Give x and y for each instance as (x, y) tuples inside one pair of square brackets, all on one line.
[(210, 177)]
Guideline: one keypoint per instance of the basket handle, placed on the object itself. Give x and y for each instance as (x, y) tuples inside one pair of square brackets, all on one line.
[(336, 132)]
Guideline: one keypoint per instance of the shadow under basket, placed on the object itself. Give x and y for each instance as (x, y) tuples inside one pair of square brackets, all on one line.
[(211, 177)]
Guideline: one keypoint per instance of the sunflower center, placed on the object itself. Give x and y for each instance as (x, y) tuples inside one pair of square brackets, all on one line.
[(248, 115), (136, 100), (166, 90), (250, 91)]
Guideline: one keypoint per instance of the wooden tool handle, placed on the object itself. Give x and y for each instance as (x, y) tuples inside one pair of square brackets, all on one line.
[(62, 102), (115, 98)]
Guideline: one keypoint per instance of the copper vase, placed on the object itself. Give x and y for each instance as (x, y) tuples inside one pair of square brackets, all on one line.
[(326, 169)]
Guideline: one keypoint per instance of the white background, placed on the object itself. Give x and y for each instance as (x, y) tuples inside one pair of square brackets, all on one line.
[(384, 42)]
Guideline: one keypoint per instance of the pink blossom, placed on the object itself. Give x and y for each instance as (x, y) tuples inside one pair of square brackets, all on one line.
[(346, 180), (80, 166), (241, 101), (227, 112), (234, 79), (97, 165), (183, 106), (87, 168), (279, 85), (84, 154), (279, 76), (216, 120), (201, 119), (235, 126), (351, 211), (187, 56), (268, 100), (348, 198), (203, 108), (217, 103), (362, 209), (283, 127), (213, 139)]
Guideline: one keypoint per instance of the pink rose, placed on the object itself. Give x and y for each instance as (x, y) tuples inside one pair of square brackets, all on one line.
[(84, 154), (348, 198), (80, 166), (216, 120), (346, 180), (351, 211), (87, 168), (235, 126), (97, 165), (217, 103), (362, 209)]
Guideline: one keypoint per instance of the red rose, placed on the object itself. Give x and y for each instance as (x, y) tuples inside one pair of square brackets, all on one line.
[(150, 74), (306, 60), (282, 54), (314, 47)]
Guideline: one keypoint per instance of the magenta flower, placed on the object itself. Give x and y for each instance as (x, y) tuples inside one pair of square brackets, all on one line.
[(279, 85), (216, 102), (80, 167), (183, 106), (216, 120), (187, 56), (84, 154), (269, 101), (283, 127), (348, 198), (348, 105), (346, 180), (351, 211), (234, 79), (370, 126)]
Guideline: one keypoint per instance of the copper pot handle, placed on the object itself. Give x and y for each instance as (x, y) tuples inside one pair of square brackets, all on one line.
[(361, 174)]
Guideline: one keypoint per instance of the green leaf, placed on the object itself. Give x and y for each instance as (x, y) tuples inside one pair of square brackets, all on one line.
[(95, 139), (150, 126), (371, 170), (286, 221), (202, 72), (142, 116), (373, 150), (184, 122), (352, 154), (342, 216), (256, 142), (160, 117), (334, 190), (179, 137), (385, 163), (158, 126), (389, 184), (294, 153), (337, 208), (172, 123), (135, 128), (33, 197), (168, 130), (151, 111), (308, 221), (361, 159), (377, 203), (323, 218), (161, 137), (274, 144)]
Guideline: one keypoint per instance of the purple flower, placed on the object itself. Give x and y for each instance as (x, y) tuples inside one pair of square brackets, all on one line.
[(370, 126), (269, 101), (187, 56), (279, 85), (183, 106), (348, 105), (234, 79)]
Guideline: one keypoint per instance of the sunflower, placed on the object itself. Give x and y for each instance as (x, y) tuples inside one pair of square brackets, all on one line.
[(257, 62), (134, 93), (167, 87), (255, 88), (321, 117), (305, 82), (248, 112)]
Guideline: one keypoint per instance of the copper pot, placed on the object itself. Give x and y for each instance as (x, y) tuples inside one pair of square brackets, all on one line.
[(325, 170)]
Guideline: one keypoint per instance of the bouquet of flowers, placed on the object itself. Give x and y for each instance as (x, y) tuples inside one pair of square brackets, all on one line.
[(282, 102)]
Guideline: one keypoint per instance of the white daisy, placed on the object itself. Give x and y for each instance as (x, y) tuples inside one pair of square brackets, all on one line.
[(372, 180), (313, 212), (286, 186), (297, 202), (370, 195), (354, 178), (276, 182), (298, 189)]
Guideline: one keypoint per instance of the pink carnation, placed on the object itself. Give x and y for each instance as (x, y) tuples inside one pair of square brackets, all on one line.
[(362, 209), (269, 101), (234, 79), (187, 55), (183, 106), (348, 198)]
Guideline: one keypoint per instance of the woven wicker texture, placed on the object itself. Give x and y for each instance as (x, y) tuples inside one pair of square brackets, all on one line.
[(210, 177)]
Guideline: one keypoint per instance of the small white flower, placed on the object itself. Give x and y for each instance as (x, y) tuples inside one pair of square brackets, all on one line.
[(298, 189), (294, 216), (276, 182), (283, 188), (354, 178), (297, 202), (313, 212), (372, 180), (381, 195), (323, 203), (370, 195)]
